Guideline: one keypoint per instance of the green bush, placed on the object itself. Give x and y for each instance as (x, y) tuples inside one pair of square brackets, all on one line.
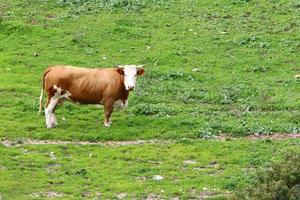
[(281, 181), (151, 109), (112, 4)]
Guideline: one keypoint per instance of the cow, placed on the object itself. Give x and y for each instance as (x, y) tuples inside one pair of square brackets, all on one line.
[(109, 87)]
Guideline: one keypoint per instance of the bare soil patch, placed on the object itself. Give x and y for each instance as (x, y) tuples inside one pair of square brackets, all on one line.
[(274, 136), (9, 143), (221, 137)]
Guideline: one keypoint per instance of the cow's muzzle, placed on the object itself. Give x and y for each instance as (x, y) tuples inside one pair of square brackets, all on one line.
[(130, 88)]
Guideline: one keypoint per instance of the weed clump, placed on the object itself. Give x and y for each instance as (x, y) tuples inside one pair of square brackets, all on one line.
[(258, 69), (3, 11), (128, 5), (151, 109), (206, 133), (281, 181)]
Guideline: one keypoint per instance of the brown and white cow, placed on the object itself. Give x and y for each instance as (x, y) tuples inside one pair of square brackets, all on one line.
[(106, 86)]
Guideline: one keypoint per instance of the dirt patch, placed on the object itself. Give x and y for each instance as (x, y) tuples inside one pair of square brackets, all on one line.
[(9, 143), (274, 136), (49, 195), (221, 137), (121, 195)]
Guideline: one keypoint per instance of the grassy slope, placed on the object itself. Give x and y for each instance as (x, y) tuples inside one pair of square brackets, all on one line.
[(81, 172), (246, 53)]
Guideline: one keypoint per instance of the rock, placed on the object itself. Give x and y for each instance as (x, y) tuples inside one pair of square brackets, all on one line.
[(189, 162), (196, 70), (52, 155), (213, 162), (121, 195), (53, 194), (98, 194), (199, 168), (158, 178), (152, 197)]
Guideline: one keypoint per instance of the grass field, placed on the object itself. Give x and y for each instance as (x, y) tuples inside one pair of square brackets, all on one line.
[(190, 170), (225, 66)]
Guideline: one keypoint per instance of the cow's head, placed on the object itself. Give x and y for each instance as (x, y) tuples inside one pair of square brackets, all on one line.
[(130, 72)]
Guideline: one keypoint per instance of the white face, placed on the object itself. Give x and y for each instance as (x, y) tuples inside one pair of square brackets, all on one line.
[(130, 73)]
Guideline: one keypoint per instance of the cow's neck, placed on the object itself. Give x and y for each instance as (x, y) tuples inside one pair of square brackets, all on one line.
[(123, 92)]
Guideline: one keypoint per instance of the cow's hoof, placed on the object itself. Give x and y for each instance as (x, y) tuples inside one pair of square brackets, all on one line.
[(107, 125), (51, 126)]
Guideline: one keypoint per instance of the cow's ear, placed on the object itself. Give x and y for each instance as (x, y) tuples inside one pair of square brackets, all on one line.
[(120, 70), (140, 71)]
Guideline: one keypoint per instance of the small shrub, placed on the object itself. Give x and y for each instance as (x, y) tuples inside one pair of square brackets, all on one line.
[(78, 37), (206, 133), (237, 93), (248, 40), (192, 95), (281, 181), (259, 69), (292, 129), (291, 82), (172, 76), (230, 94), (150, 109), (259, 129), (87, 6)]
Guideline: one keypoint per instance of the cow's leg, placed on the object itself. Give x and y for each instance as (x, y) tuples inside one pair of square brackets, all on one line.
[(108, 109), (53, 116), (51, 121), (47, 114), (54, 96)]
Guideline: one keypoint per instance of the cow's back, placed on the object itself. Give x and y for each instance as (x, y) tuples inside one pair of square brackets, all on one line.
[(85, 85)]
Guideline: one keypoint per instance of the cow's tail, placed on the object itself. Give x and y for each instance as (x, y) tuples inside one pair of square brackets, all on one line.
[(42, 90)]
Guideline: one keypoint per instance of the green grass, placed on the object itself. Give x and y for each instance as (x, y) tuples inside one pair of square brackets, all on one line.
[(81, 172), (245, 53), (212, 67)]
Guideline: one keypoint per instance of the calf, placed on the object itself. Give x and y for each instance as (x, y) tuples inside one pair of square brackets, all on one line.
[(105, 86)]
